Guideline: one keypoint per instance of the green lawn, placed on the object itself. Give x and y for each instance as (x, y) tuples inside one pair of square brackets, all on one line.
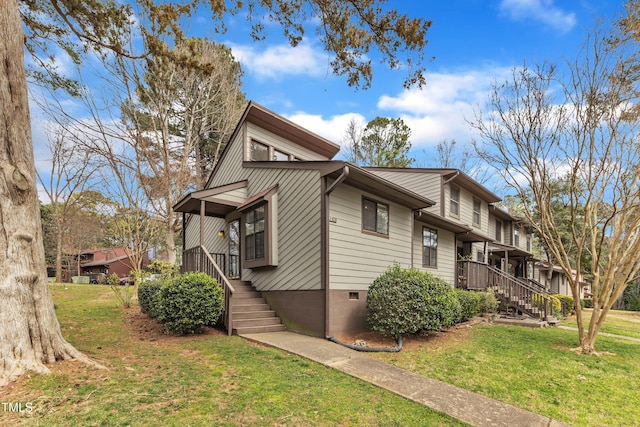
[(618, 322), (190, 381), (535, 369)]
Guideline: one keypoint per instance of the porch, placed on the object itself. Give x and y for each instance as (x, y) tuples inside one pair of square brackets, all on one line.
[(524, 295)]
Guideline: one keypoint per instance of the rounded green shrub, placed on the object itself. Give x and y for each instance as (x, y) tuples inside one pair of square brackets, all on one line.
[(568, 302), (469, 304), (442, 306), (396, 302), (146, 297), (487, 302), (188, 302), (587, 303)]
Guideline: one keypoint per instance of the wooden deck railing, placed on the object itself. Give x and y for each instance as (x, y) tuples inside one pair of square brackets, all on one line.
[(517, 292), (199, 259)]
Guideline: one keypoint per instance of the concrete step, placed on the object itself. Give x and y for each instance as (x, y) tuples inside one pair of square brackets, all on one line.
[(259, 329), (247, 296), (265, 321), (245, 307), (253, 314)]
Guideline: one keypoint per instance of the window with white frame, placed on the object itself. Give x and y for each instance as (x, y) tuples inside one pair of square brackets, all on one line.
[(429, 247), (259, 151), (254, 221), (477, 206), (375, 217), (516, 238), (498, 231), (454, 202)]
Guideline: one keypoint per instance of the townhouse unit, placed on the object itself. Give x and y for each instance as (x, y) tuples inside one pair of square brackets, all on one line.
[(296, 237)]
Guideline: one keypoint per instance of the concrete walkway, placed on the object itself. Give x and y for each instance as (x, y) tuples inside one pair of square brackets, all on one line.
[(466, 406)]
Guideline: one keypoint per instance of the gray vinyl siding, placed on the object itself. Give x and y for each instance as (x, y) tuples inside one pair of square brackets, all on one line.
[(425, 184), (357, 258), (298, 227), (279, 143), (446, 268), (228, 171)]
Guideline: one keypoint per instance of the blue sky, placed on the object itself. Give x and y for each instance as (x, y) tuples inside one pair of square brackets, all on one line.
[(474, 42)]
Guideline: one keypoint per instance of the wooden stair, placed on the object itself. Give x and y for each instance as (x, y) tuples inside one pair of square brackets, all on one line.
[(251, 313), (524, 306)]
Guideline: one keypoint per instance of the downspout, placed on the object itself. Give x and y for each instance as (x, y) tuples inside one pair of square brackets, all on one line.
[(325, 242), (325, 248)]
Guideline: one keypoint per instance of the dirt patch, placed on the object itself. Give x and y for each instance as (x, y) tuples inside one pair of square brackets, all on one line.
[(432, 340), (145, 328)]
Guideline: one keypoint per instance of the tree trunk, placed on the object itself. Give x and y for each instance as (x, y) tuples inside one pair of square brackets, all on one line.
[(30, 334)]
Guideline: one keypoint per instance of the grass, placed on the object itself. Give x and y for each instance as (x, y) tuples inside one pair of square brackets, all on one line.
[(190, 381), (536, 370), (626, 323)]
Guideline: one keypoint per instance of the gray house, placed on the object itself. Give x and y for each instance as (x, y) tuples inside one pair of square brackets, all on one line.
[(296, 238)]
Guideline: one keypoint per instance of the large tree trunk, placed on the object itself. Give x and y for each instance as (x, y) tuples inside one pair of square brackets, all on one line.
[(29, 331)]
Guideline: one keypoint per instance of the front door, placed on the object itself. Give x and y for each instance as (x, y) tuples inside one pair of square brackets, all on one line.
[(234, 249)]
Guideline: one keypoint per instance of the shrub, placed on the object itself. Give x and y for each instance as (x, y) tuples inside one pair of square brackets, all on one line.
[(396, 303), (469, 304), (568, 302), (587, 303), (146, 297), (188, 302), (487, 302), (166, 269), (442, 306)]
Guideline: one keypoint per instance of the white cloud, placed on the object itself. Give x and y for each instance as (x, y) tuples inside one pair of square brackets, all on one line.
[(540, 10), (441, 109), (332, 128), (276, 62)]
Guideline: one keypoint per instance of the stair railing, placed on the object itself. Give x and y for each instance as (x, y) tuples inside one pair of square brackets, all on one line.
[(199, 259), (520, 294)]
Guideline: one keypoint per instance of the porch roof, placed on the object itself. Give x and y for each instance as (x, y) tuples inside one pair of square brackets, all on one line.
[(218, 201), (440, 222), (495, 247), (471, 235)]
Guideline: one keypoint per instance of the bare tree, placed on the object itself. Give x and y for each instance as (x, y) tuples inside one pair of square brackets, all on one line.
[(69, 177), (350, 140), (29, 331), (540, 127), (450, 154)]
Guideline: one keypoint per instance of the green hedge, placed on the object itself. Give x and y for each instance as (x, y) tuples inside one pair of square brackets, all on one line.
[(469, 304), (146, 294), (184, 304), (487, 302), (396, 302), (568, 302), (404, 301), (587, 303)]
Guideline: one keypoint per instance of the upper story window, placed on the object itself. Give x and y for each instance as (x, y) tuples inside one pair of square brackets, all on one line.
[(429, 247), (375, 217), (498, 231), (529, 242), (259, 151), (477, 206), (454, 203), (279, 156), (516, 238)]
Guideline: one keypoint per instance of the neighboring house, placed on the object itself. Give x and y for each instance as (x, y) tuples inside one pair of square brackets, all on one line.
[(309, 234), (103, 262)]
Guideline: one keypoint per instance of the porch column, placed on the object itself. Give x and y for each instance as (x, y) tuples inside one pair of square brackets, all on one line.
[(202, 210)]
